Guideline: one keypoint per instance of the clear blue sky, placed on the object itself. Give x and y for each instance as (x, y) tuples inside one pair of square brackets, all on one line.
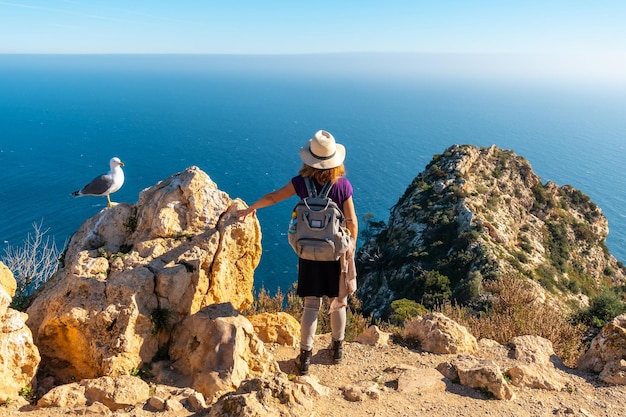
[(295, 27)]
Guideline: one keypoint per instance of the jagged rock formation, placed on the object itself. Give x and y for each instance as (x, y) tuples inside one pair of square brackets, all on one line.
[(475, 214), (132, 273), (607, 353), (19, 357)]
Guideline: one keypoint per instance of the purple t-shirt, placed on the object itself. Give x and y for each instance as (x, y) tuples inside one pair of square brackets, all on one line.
[(339, 193)]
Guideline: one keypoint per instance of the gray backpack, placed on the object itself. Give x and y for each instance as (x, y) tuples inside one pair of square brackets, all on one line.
[(317, 231)]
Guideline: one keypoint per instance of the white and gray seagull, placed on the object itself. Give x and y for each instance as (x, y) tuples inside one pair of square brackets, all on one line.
[(105, 184)]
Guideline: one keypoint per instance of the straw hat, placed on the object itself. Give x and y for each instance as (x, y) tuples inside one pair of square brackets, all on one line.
[(322, 152)]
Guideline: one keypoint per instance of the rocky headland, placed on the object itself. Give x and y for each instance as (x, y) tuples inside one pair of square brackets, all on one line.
[(143, 316)]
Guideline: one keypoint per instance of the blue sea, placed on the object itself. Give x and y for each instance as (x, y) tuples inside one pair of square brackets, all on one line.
[(243, 119)]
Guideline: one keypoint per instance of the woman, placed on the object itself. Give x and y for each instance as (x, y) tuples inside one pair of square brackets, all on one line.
[(323, 162)]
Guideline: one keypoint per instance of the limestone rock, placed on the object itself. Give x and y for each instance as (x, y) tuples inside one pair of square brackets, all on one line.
[(534, 349), (483, 374), (373, 336), (537, 376), (281, 328), (7, 280), (117, 392), (259, 397), (19, 357), (64, 396), (614, 372), (5, 300), (421, 380), (114, 392), (156, 403), (218, 348), (607, 347), (132, 272), (439, 334), (361, 392)]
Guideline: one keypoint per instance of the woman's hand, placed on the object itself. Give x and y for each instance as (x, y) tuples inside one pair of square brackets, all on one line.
[(242, 214)]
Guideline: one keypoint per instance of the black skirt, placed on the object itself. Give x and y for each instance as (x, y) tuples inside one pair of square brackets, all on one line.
[(316, 278)]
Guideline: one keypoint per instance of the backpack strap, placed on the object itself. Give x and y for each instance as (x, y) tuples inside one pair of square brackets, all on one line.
[(310, 187), (313, 192), (326, 190)]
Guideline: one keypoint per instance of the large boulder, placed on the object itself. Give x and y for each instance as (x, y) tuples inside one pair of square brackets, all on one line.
[(132, 272), (483, 374), (281, 328), (19, 357), (115, 393), (219, 349), (440, 334)]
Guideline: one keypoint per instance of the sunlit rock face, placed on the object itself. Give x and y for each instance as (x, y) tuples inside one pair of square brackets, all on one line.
[(19, 357), (133, 272)]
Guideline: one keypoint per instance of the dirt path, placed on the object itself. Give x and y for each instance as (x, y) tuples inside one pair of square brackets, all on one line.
[(380, 367)]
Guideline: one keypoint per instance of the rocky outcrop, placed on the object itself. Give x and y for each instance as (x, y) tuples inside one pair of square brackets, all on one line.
[(132, 273), (19, 357), (438, 334), (218, 348), (260, 397), (476, 214), (607, 353)]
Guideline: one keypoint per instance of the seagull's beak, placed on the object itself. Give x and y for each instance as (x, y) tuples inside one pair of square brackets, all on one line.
[(121, 164)]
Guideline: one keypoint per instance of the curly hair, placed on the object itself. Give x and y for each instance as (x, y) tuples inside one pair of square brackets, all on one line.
[(322, 176)]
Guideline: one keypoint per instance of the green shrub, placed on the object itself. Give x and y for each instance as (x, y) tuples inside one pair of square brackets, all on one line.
[(160, 318), (404, 309), (603, 309)]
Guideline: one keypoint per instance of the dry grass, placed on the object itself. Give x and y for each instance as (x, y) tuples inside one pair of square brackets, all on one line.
[(291, 303), (515, 311)]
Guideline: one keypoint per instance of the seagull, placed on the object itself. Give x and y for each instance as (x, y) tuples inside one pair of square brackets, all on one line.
[(105, 184)]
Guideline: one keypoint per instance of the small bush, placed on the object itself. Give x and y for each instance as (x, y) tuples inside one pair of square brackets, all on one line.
[(602, 309), (144, 372), (28, 393), (405, 309), (160, 318), (264, 302)]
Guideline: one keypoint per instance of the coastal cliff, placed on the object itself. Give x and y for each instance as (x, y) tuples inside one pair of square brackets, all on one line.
[(475, 214)]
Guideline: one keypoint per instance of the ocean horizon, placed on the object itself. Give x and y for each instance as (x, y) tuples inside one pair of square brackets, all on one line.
[(243, 119)]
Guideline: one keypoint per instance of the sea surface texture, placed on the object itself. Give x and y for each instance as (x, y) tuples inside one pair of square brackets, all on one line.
[(243, 119)]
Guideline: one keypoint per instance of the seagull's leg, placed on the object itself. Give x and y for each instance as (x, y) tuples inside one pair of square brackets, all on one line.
[(110, 203)]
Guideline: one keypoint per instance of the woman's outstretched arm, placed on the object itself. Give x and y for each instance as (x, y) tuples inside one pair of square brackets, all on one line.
[(269, 199)]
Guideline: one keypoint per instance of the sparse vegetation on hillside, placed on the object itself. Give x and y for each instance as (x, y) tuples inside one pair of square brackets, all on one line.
[(602, 309), (514, 310), (473, 220)]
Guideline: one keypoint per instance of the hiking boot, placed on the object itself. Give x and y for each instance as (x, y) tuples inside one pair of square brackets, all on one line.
[(303, 361), (337, 350)]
